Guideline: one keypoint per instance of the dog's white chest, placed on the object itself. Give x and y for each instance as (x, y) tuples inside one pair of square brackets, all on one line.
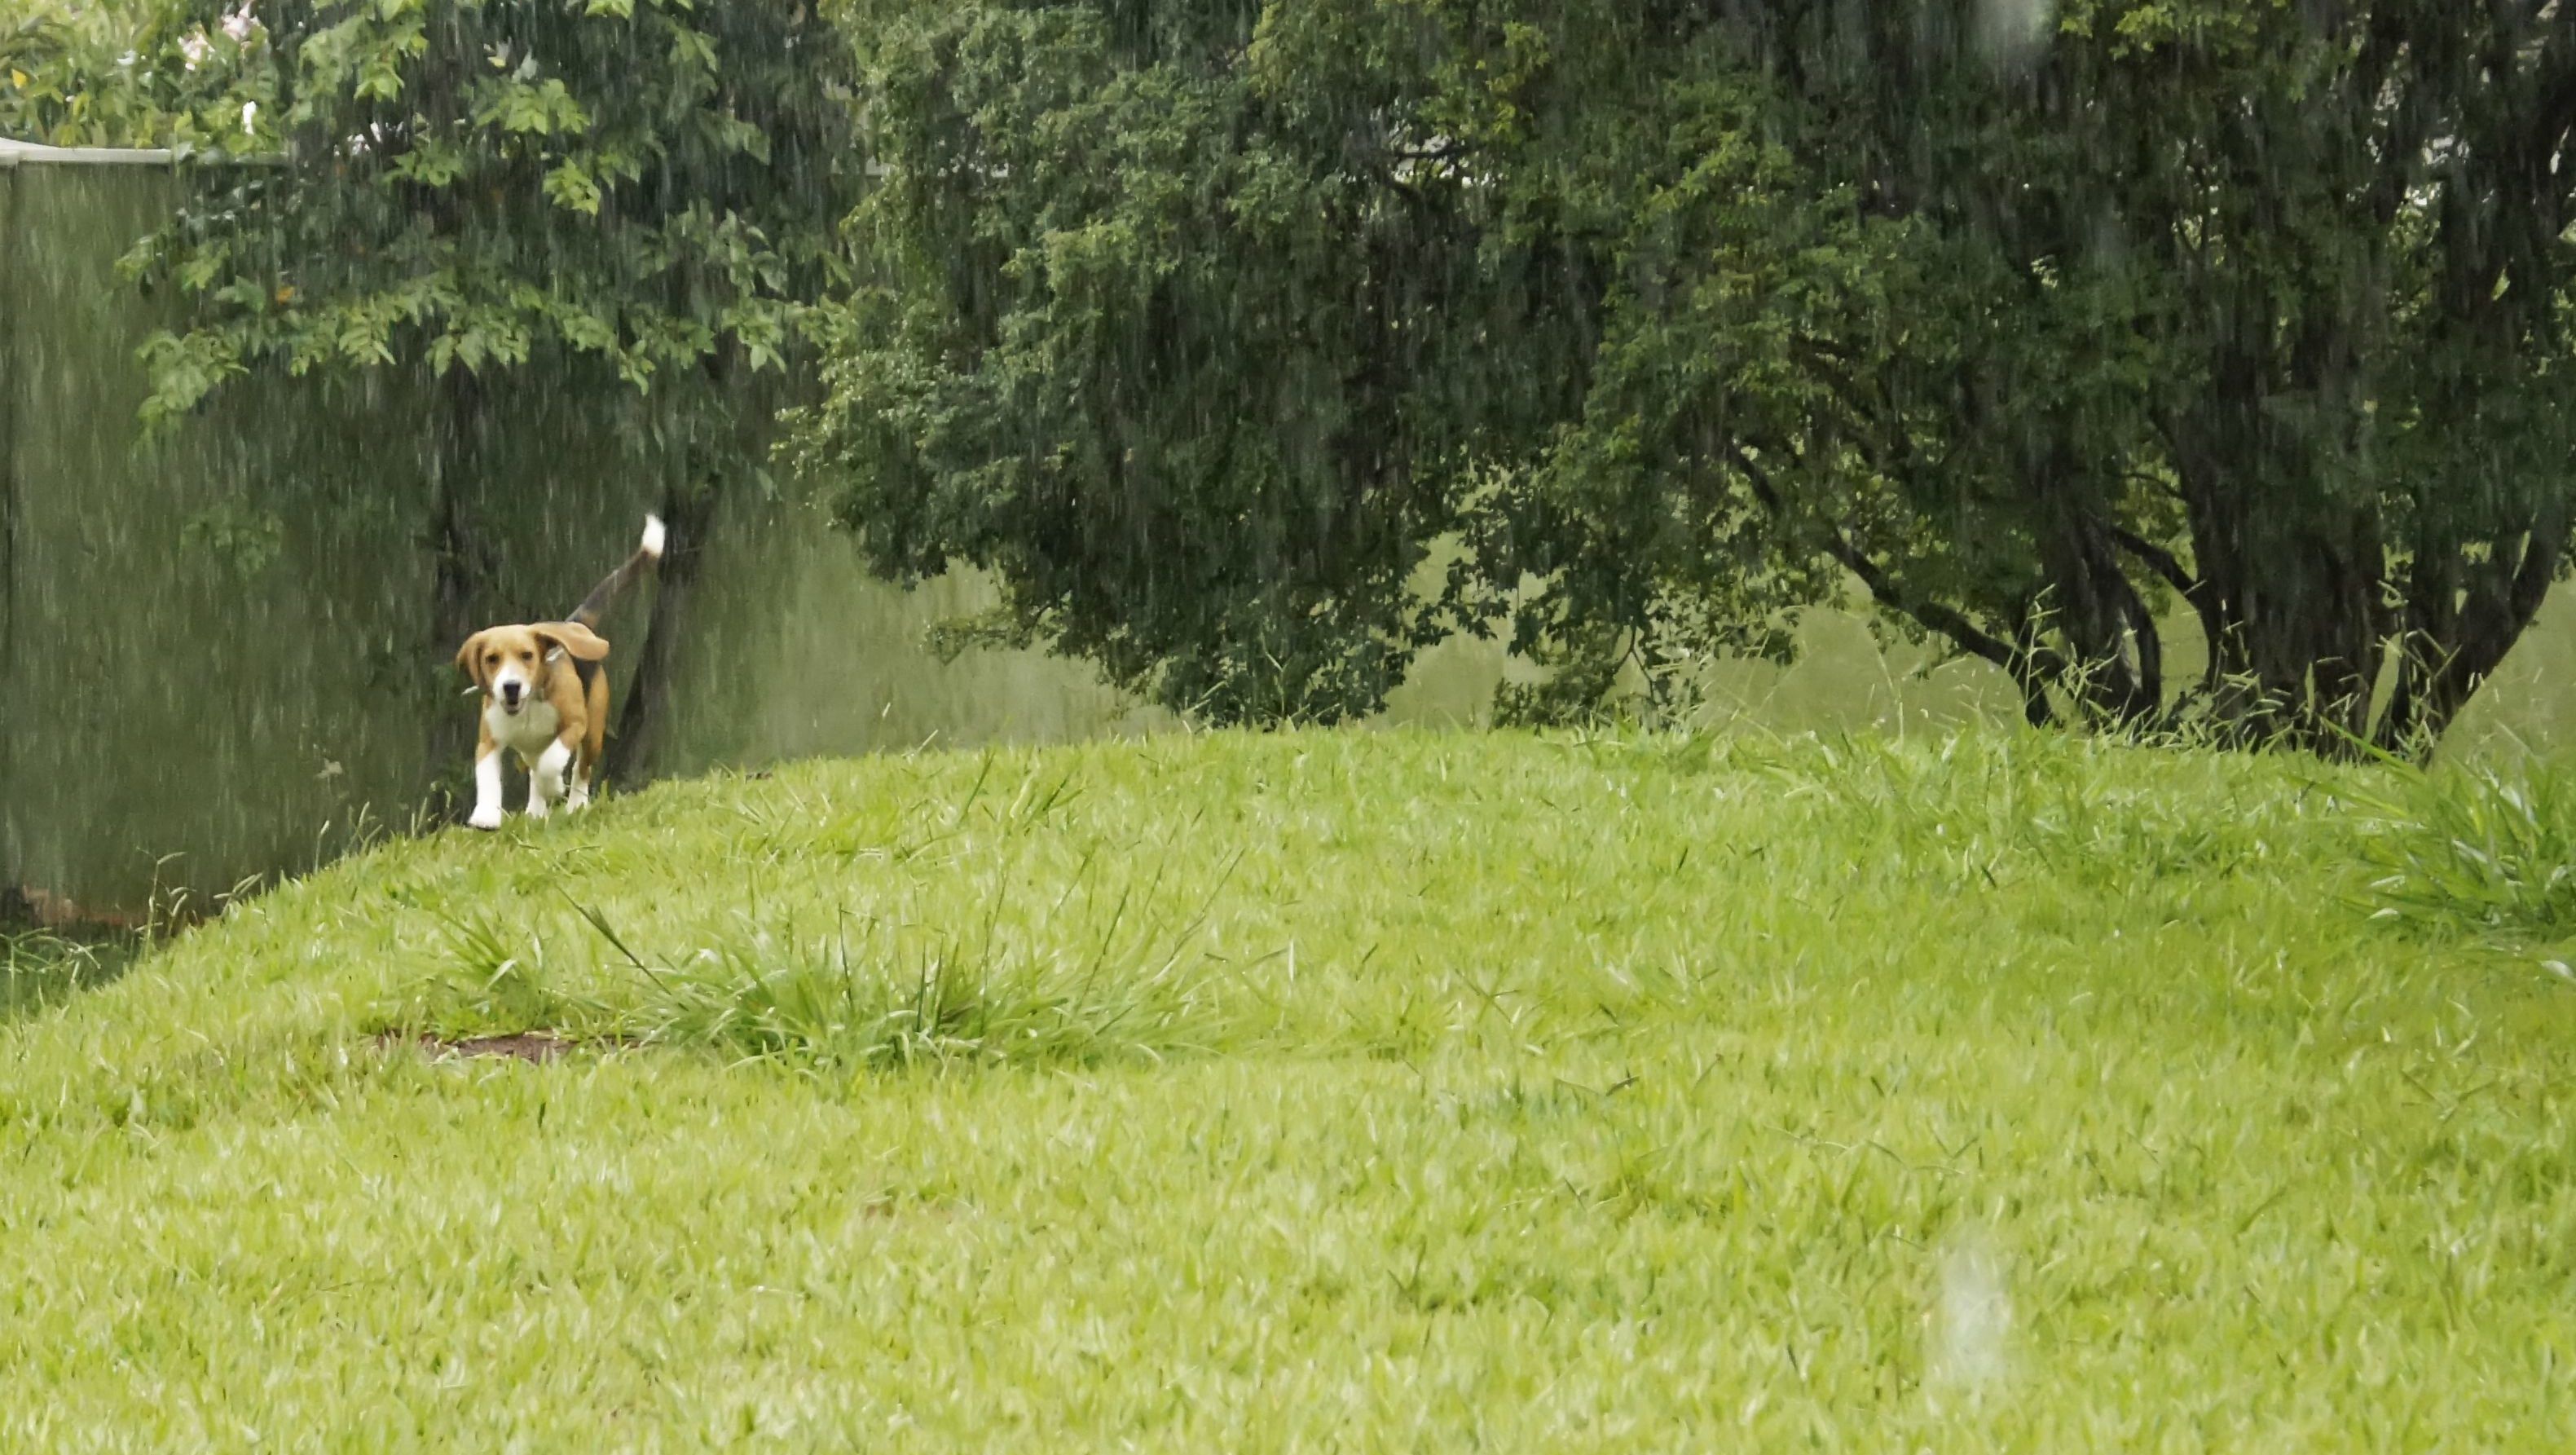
[(528, 732)]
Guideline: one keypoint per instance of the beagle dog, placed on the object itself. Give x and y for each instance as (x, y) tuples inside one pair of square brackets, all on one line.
[(545, 696)]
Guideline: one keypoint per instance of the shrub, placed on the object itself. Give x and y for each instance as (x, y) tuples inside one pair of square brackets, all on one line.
[(2476, 851)]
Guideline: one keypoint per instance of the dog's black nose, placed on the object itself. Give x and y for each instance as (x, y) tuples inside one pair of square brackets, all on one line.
[(509, 692)]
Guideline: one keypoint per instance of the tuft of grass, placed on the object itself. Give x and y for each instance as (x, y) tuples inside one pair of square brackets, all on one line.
[(2475, 851), (494, 981), (947, 1001), (39, 968), (1119, 974)]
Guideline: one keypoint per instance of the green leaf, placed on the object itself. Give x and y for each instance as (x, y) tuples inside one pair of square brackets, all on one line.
[(570, 187)]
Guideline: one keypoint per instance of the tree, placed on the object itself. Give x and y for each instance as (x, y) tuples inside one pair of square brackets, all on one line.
[(1179, 328), (2262, 307), (1204, 326), (641, 193)]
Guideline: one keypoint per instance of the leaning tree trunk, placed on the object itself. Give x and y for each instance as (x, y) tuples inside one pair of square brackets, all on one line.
[(2462, 616), (722, 434), (638, 747)]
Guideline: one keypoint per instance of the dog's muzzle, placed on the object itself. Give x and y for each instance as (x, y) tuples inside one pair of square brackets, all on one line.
[(510, 696)]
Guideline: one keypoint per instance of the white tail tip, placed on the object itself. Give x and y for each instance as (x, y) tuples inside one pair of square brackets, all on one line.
[(653, 535)]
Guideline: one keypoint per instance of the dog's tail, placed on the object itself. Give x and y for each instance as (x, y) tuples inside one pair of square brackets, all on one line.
[(596, 604)]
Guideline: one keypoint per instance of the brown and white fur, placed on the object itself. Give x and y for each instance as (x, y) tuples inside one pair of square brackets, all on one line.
[(545, 697)]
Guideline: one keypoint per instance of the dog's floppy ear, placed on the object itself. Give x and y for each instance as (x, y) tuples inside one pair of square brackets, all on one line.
[(469, 658), (574, 638)]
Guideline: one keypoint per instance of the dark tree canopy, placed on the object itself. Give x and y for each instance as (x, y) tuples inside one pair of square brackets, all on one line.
[(2273, 322), (1181, 335), (1207, 328), (1252, 347)]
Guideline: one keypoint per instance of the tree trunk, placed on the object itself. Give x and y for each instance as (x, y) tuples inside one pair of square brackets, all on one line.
[(2300, 626), (2461, 620), (636, 750), (2119, 652), (723, 432), (2292, 586)]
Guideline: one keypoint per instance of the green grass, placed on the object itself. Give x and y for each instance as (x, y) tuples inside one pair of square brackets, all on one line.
[(2477, 852), (39, 967), (1355, 1091)]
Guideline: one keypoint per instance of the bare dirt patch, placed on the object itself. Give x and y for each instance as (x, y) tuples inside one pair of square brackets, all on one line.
[(534, 1047)]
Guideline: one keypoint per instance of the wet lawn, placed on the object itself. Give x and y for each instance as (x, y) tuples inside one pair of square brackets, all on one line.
[(1348, 1090)]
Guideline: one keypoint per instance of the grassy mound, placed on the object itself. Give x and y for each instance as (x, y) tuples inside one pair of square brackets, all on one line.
[(1375, 1091)]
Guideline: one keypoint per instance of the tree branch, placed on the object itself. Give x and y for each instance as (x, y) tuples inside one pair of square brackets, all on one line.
[(1883, 588), (2159, 560)]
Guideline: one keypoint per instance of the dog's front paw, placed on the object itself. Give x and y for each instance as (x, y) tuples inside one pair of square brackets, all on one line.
[(485, 818)]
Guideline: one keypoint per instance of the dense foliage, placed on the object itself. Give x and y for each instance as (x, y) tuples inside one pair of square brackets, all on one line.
[(1206, 327), (1252, 347), (123, 73), (1183, 325), (470, 181)]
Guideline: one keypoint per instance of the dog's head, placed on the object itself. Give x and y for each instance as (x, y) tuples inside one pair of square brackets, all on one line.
[(514, 664)]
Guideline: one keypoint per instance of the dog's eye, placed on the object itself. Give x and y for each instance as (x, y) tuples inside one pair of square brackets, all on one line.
[(491, 658), (527, 656)]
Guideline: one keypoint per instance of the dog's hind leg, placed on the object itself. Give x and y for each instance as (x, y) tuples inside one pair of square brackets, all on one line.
[(594, 739)]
